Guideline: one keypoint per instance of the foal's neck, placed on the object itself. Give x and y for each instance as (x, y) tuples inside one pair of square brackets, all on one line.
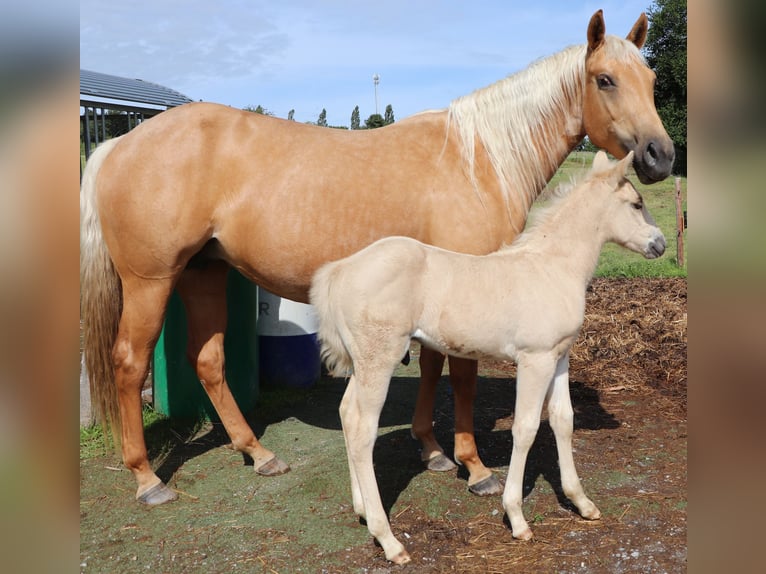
[(571, 235)]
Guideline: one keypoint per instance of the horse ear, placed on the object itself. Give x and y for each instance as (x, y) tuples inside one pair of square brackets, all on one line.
[(637, 34), (596, 30), (601, 161)]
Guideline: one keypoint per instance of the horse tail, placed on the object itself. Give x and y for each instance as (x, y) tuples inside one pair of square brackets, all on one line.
[(100, 300), (332, 325)]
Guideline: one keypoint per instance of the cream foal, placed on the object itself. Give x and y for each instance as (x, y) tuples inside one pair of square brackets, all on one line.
[(525, 302)]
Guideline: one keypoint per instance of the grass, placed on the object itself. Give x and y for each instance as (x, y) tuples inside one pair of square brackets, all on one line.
[(659, 198)]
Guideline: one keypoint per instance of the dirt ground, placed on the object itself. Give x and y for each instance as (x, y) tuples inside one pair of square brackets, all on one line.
[(628, 383)]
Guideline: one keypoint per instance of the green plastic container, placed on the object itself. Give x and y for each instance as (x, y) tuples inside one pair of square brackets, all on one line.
[(177, 391)]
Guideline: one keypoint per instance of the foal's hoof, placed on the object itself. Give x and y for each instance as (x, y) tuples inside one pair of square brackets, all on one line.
[(274, 467), (487, 487), (157, 494), (402, 558), (440, 463)]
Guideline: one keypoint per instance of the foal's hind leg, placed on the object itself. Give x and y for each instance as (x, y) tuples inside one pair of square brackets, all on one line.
[(561, 418), (360, 414), (140, 323), (203, 291)]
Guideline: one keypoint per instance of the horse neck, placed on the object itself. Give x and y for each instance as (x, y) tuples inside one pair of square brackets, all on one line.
[(525, 125)]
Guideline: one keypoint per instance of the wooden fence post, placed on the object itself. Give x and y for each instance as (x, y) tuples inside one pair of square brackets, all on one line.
[(680, 224)]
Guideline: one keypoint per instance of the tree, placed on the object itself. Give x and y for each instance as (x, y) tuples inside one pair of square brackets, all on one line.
[(322, 120), (291, 115), (259, 109), (665, 52), (374, 121), (389, 118), (355, 122)]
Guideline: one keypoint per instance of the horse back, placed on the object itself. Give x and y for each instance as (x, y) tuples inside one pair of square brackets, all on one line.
[(281, 198)]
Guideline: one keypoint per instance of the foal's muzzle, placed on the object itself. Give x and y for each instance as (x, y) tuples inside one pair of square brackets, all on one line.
[(656, 247)]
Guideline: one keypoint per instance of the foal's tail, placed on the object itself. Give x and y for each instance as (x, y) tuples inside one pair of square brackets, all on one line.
[(100, 299), (332, 325)]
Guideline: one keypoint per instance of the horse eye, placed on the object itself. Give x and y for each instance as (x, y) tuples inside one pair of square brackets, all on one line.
[(604, 82), (638, 205)]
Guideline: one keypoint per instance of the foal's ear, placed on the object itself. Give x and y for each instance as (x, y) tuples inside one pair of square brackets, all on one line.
[(596, 30), (601, 161), (624, 164), (637, 34)]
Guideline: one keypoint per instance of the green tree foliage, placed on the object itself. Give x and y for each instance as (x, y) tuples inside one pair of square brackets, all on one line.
[(374, 121), (355, 121), (291, 115), (389, 117), (665, 52), (259, 109), (322, 120)]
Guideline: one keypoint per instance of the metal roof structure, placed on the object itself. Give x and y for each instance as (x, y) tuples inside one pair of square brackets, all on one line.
[(107, 101), (115, 92)]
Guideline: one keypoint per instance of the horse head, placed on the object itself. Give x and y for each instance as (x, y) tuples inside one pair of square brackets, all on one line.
[(619, 114)]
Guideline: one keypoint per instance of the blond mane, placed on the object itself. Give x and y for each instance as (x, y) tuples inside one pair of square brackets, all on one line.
[(507, 118)]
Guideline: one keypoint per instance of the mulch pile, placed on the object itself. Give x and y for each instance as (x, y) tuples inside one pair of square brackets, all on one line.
[(634, 338)]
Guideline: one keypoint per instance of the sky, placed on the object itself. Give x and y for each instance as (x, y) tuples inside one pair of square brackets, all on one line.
[(308, 55)]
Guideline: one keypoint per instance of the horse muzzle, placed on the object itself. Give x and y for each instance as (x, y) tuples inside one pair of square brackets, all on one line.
[(653, 161)]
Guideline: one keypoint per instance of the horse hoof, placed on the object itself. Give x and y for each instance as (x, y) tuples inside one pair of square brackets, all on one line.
[(274, 467), (157, 494), (487, 487), (440, 463), (402, 558)]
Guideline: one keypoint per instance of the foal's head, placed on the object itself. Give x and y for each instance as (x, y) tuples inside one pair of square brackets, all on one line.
[(627, 222)]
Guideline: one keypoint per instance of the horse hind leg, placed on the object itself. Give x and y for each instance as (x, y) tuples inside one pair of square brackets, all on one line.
[(203, 292), (561, 418), (432, 454), (463, 378), (140, 324)]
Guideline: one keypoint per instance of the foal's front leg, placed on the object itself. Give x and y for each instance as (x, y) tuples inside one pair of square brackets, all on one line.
[(561, 418), (533, 378)]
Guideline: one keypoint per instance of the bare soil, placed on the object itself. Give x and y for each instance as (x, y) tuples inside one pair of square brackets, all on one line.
[(629, 387)]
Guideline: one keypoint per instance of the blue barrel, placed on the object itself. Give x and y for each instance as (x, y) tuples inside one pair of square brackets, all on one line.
[(288, 349)]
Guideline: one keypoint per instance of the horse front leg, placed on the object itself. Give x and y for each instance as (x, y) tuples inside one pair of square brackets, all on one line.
[(463, 376), (432, 454), (203, 292), (561, 418)]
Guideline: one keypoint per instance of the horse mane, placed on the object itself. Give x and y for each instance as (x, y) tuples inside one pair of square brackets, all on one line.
[(508, 118)]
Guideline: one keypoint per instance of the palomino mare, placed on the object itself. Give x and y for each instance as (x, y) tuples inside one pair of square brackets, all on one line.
[(525, 303), (202, 187)]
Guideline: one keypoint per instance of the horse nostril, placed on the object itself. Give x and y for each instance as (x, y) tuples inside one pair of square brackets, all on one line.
[(650, 157)]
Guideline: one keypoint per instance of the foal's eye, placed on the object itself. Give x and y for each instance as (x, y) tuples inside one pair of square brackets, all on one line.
[(604, 82), (638, 205)]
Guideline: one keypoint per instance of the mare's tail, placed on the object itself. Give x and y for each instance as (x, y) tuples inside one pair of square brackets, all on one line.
[(332, 324), (100, 299)]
